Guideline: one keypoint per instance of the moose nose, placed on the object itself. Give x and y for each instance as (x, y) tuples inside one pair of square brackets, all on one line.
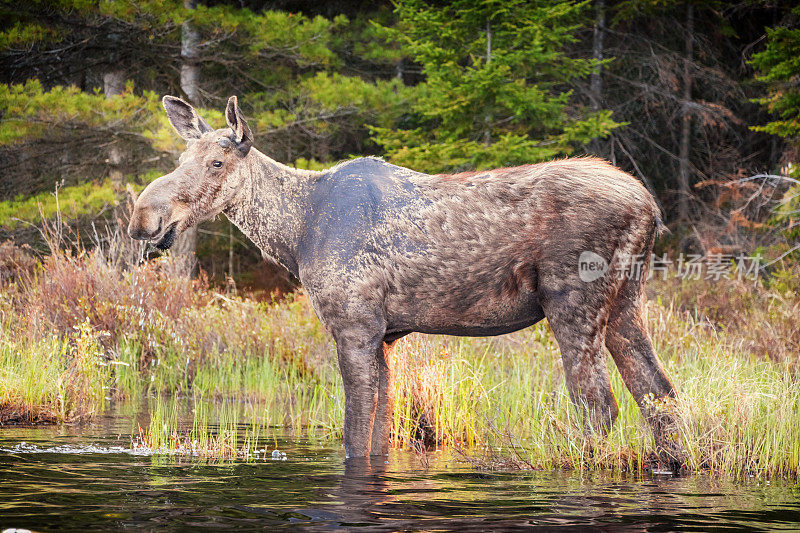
[(143, 227)]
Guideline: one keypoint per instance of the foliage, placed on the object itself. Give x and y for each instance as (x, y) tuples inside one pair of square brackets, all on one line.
[(71, 203), (288, 69), (786, 214), (779, 64), (779, 67), (418, 82), (495, 89), (61, 135)]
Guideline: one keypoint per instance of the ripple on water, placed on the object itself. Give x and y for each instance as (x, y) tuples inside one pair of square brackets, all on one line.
[(75, 449), (90, 477)]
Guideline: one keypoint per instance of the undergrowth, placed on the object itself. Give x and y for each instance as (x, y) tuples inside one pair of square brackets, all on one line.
[(79, 332)]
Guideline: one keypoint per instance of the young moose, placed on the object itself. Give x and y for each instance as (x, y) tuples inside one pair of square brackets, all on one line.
[(384, 251)]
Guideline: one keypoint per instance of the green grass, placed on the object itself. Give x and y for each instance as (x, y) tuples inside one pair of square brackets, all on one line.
[(52, 379), (222, 374), (204, 429), (738, 415)]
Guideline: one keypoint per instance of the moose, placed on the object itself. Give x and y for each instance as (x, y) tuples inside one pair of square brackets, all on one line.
[(384, 251)]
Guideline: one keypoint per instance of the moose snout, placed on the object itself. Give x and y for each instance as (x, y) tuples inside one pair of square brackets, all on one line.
[(153, 210), (145, 224)]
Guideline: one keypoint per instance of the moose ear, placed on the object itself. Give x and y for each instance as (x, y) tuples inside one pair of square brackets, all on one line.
[(184, 118), (242, 135)]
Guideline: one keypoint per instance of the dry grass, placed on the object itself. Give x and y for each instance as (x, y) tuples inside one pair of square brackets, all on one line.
[(158, 331), (77, 328), (760, 318)]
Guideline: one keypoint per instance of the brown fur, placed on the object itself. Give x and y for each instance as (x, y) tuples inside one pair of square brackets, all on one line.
[(383, 251)]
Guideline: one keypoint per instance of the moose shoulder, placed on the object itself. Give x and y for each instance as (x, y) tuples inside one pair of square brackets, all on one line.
[(384, 251)]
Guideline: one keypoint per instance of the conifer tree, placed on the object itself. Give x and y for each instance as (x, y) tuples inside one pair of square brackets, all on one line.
[(779, 67), (496, 88)]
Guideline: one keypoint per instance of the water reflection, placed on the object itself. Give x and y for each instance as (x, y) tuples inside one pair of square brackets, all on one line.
[(86, 478)]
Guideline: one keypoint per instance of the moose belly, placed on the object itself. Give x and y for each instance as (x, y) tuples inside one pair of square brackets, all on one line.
[(463, 286), (451, 315)]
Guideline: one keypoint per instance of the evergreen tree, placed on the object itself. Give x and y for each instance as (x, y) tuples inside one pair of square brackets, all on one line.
[(680, 81), (496, 85), (289, 70), (779, 66), (83, 80)]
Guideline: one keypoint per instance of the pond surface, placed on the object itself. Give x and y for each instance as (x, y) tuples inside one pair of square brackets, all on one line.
[(80, 478)]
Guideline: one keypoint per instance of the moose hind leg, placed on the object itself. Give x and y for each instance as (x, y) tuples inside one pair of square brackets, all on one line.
[(629, 343), (384, 410), (579, 334)]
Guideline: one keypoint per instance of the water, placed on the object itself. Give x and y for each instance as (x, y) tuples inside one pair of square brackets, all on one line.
[(80, 478)]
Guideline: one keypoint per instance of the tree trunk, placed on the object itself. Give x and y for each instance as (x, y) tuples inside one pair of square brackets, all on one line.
[(596, 80), (186, 244), (230, 250), (190, 53), (184, 249), (114, 84), (597, 54), (684, 187), (487, 133)]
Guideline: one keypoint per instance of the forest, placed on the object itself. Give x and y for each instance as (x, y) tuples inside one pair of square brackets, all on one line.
[(697, 99)]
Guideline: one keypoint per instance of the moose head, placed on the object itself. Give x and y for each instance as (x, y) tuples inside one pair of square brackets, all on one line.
[(208, 177)]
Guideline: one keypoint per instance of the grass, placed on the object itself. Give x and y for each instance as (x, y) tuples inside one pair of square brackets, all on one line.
[(206, 429), (221, 373), (53, 379)]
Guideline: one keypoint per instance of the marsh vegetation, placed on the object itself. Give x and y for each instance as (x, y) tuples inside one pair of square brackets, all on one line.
[(81, 334), (697, 100)]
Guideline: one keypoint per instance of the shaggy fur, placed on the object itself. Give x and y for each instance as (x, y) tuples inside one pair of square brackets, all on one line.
[(384, 251)]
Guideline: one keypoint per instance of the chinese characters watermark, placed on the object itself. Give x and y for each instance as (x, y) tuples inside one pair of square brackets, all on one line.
[(715, 267)]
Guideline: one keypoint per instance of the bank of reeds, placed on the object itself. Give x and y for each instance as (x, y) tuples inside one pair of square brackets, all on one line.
[(78, 330)]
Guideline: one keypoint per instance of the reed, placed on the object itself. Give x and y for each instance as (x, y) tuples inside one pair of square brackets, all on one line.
[(222, 374), (53, 379)]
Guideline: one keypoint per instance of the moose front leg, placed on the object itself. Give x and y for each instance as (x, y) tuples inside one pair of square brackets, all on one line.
[(356, 350), (384, 410)]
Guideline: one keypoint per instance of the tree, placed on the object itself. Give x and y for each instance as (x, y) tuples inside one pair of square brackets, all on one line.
[(80, 84), (676, 75), (779, 68), (496, 85), (293, 73), (684, 189), (186, 244)]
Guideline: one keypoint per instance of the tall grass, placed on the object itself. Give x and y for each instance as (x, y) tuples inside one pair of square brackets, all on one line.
[(221, 373), (205, 429), (52, 379), (737, 414)]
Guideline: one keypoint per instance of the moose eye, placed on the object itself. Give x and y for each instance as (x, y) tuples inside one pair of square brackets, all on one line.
[(217, 163)]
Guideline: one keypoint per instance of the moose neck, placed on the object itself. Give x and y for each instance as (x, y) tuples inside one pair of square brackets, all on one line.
[(272, 206)]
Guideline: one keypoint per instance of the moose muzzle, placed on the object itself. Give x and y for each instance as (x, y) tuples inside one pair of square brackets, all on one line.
[(154, 217)]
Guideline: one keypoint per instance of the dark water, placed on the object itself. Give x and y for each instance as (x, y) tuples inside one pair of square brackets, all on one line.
[(87, 478)]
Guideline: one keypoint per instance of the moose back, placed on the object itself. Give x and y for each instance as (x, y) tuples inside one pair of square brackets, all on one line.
[(384, 251)]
